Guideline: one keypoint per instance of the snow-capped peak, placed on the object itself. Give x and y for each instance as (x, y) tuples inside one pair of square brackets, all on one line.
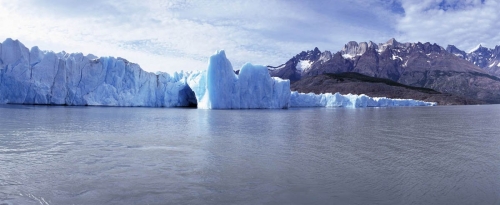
[(475, 48)]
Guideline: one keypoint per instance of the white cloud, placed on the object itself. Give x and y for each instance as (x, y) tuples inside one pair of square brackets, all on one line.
[(463, 23), (178, 35)]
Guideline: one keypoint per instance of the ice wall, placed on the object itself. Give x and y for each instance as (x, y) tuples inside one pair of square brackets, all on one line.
[(220, 88), (349, 100), (41, 77)]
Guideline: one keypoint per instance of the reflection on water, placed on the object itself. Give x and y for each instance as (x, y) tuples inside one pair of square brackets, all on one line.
[(95, 155)]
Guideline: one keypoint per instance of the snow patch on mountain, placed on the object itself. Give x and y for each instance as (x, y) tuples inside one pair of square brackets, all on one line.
[(394, 57), (325, 56), (303, 65), (348, 56)]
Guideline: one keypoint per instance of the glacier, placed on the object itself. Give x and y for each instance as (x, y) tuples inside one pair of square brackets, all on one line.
[(33, 76), (44, 77)]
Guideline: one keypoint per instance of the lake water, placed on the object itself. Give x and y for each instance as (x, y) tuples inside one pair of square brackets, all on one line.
[(97, 155)]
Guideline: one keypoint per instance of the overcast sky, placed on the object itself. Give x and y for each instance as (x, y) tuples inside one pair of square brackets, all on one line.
[(174, 35)]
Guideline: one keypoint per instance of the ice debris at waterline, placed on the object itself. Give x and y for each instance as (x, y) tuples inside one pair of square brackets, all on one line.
[(48, 78), (350, 100)]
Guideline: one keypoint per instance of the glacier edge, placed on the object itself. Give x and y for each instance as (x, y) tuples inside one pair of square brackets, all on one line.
[(33, 76)]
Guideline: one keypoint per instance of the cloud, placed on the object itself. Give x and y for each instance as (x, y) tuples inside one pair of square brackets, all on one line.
[(105, 28), (175, 35), (464, 23)]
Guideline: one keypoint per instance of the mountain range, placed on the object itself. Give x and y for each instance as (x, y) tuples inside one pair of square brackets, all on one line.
[(449, 76)]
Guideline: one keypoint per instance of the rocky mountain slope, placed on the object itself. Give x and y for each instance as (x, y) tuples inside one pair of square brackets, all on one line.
[(423, 65), (486, 58)]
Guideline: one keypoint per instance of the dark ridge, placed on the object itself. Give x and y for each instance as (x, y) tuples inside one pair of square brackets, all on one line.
[(364, 78), (272, 67), (486, 76)]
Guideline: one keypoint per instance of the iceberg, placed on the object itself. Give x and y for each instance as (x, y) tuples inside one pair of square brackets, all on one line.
[(220, 88), (33, 76)]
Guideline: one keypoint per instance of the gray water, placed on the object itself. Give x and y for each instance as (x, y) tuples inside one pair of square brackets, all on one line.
[(96, 155)]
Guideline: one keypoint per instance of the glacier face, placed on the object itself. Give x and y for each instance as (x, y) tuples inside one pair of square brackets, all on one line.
[(41, 77), (220, 88), (33, 76)]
